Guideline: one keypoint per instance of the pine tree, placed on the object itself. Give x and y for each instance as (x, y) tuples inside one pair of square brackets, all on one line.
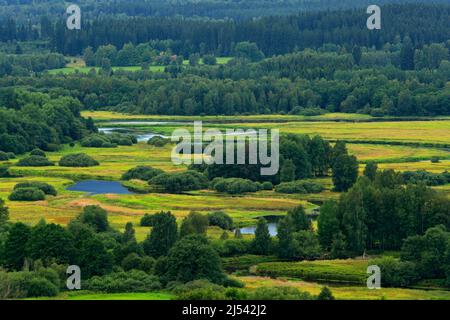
[(262, 241)]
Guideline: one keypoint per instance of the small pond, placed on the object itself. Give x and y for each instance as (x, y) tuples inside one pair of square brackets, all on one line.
[(99, 187), (251, 230), (139, 136)]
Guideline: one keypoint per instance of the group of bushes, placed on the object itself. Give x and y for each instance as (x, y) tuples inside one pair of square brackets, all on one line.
[(144, 173), (238, 185), (108, 141), (130, 281), (78, 160), (429, 178), (29, 284), (37, 158), (31, 191), (299, 186), (5, 156), (158, 141), (179, 182)]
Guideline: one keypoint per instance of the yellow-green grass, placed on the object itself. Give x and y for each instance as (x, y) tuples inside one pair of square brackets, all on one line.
[(110, 115), (347, 292), (113, 162), (442, 166), (389, 131), (74, 69), (339, 271), (387, 153)]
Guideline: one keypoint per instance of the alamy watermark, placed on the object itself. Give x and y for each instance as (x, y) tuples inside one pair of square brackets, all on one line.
[(374, 21), (73, 22), (241, 147)]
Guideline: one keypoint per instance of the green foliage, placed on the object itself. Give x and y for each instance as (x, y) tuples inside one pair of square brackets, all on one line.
[(428, 252), (14, 248), (38, 152), (345, 172), (44, 187), (262, 242), (144, 173), (4, 156), (199, 290), (4, 212), (194, 223), (96, 217), (158, 141), (370, 171), (179, 182), (396, 273), (77, 160), (108, 140), (163, 236), (131, 281), (193, 258), (50, 243), (220, 219), (325, 294), (34, 161), (27, 194), (328, 224), (234, 185), (429, 178)]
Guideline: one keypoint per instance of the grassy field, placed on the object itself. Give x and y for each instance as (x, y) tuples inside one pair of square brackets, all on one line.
[(342, 292), (344, 271), (78, 65), (70, 70)]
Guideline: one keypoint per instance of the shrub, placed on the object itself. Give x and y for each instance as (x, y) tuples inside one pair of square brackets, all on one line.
[(199, 290), (41, 287), (179, 181), (27, 194), (158, 141), (142, 173), (221, 220), (44, 187), (279, 293), (435, 159), (299, 186), (3, 156), (34, 161), (267, 185), (131, 281), (38, 152), (147, 220), (234, 185), (325, 294), (77, 160), (396, 273), (108, 141), (96, 217)]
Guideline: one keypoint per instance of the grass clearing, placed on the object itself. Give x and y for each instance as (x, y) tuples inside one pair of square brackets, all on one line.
[(347, 292)]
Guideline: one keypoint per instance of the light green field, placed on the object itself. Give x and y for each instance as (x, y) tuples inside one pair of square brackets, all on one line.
[(110, 115), (71, 70), (347, 292)]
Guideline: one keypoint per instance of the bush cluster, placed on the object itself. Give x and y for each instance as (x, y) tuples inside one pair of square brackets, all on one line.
[(299, 186), (78, 160)]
